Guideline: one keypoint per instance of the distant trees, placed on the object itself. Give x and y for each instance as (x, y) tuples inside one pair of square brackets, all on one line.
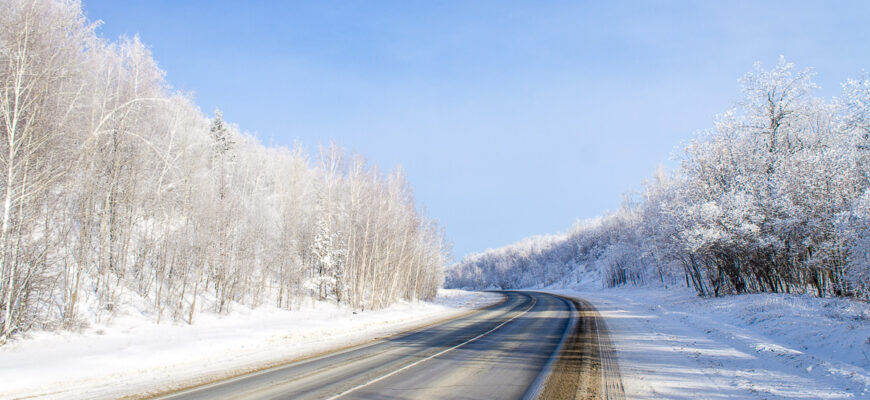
[(773, 198), (117, 192)]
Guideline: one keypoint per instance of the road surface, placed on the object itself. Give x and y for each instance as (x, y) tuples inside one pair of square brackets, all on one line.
[(531, 345)]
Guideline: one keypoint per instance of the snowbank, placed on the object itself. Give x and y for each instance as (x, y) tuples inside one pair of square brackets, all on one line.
[(673, 345), (132, 356)]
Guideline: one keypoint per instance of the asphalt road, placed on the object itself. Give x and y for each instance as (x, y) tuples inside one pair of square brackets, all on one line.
[(497, 353)]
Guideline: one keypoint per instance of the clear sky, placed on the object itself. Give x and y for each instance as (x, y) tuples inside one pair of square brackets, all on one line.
[(511, 118)]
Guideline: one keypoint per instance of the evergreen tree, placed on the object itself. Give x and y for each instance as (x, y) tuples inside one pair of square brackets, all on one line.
[(222, 140)]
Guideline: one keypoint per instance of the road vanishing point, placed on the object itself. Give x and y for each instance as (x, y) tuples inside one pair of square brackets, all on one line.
[(531, 345)]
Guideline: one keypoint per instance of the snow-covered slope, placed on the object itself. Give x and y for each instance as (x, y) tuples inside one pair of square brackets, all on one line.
[(672, 344), (132, 355)]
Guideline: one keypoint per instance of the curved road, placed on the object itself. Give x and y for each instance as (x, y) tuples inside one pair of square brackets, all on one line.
[(496, 353)]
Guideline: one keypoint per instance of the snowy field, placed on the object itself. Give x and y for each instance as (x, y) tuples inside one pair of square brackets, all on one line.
[(671, 345), (132, 356), (674, 345)]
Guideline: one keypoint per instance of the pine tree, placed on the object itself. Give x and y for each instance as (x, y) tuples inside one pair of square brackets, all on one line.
[(222, 140)]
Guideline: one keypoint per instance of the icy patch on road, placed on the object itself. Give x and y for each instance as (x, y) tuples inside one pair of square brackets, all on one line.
[(673, 345), (133, 356)]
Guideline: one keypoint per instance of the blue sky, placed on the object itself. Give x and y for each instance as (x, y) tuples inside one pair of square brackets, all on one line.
[(510, 118)]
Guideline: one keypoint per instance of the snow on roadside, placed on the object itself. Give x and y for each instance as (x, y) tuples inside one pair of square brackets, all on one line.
[(132, 356), (674, 345)]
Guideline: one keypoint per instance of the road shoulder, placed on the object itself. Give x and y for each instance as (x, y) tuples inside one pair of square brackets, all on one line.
[(586, 367)]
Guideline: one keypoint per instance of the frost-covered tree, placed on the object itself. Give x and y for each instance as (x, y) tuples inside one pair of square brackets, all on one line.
[(772, 198), (118, 192)]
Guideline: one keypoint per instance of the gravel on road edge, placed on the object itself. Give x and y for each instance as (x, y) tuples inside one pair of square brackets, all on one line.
[(587, 367)]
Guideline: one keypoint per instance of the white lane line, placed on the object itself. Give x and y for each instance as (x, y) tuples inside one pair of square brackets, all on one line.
[(534, 301), (538, 385)]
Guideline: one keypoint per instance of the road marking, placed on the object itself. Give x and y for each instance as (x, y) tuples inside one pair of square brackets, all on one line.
[(535, 389), (534, 301)]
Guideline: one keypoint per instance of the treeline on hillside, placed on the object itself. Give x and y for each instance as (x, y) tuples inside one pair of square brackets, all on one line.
[(775, 197), (116, 191), (533, 262)]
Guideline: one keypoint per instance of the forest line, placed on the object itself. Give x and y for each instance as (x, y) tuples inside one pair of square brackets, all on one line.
[(119, 192), (775, 197)]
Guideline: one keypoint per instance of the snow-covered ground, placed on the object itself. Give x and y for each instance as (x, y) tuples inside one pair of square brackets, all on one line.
[(670, 343), (131, 356), (673, 345)]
